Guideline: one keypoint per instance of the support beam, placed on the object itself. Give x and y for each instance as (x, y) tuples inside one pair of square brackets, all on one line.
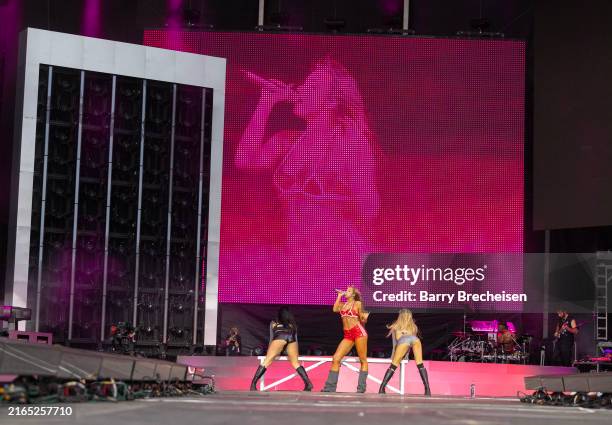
[(406, 15), (43, 202), (169, 225), (75, 219), (139, 212), (545, 304), (198, 259), (109, 186)]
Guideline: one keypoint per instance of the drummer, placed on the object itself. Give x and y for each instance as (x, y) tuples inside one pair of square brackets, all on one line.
[(505, 339)]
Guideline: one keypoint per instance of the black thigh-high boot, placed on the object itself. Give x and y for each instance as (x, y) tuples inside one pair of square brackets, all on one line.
[(424, 378), (258, 374), (302, 372), (387, 378)]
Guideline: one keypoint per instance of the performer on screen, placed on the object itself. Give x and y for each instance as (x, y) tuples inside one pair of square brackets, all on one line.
[(404, 332), (564, 333), (283, 334), (324, 173), (353, 318)]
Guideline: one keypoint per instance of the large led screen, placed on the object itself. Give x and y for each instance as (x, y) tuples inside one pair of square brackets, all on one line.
[(341, 146)]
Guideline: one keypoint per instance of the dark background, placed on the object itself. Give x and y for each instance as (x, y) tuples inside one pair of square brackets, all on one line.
[(573, 115), (568, 125)]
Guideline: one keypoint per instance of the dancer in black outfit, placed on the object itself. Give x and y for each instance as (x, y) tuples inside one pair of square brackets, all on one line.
[(283, 333)]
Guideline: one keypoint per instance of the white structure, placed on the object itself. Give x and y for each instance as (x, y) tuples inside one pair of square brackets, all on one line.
[(120, 59)]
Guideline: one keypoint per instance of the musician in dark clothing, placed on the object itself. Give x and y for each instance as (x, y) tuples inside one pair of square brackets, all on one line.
[(505, 339), (564, 333), (233, 342)]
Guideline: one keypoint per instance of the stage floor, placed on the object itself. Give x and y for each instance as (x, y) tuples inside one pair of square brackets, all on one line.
[(296, 408)]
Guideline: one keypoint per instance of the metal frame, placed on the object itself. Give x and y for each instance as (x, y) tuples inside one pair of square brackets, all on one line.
[(169, 225), (260, 12), (198, 259), (75, 218), (41, 47), (143, 116), (43, 202), (406, 15), (603, 280), (108, 206), (348, 362), (214, 217), (546, 280)]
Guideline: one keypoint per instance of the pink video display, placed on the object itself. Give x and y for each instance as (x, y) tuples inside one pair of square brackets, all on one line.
[(336, 147)]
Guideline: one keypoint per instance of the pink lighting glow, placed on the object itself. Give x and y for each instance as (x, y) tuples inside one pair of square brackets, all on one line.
[(392, 7), (174, 22), (340, 146), (490, 326), (92, 18)]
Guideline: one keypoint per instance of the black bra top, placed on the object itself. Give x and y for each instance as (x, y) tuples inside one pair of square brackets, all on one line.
[(280, 327)]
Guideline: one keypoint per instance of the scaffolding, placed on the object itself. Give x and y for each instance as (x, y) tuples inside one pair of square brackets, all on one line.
[(603, 277)]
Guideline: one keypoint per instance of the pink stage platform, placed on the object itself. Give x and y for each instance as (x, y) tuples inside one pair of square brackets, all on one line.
[(445, 378)]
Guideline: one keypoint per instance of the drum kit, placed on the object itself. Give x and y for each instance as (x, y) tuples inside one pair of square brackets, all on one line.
[(481, 345)]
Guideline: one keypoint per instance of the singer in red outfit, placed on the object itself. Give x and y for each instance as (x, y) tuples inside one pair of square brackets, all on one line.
[(353, 318)]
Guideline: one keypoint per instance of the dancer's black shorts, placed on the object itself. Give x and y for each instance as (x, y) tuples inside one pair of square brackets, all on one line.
[(289, 337)]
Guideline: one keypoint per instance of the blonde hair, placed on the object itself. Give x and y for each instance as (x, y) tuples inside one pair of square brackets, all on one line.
[(341, 156), (356, 293), (403, 323), (350, 138)]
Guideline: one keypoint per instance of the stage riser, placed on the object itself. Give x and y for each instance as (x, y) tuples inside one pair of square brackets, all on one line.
[(446, 378), (578, 383), (582, 382), (553, 383), (73, 364), (23, 359)]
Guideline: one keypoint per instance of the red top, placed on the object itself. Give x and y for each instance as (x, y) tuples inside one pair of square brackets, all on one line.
[(349, 312)]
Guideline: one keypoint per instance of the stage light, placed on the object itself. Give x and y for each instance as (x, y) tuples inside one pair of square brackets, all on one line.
[(174, 18), (334, 24), (278, 20), (278, 27), (393, 31), (396, 16), (177, 332), (92, 16), (117, 302), (180, 279), (191, 17), (479, 28)]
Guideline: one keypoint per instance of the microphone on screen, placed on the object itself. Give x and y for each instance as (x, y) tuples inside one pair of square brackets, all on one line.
[(261, 81), (339, 291)]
